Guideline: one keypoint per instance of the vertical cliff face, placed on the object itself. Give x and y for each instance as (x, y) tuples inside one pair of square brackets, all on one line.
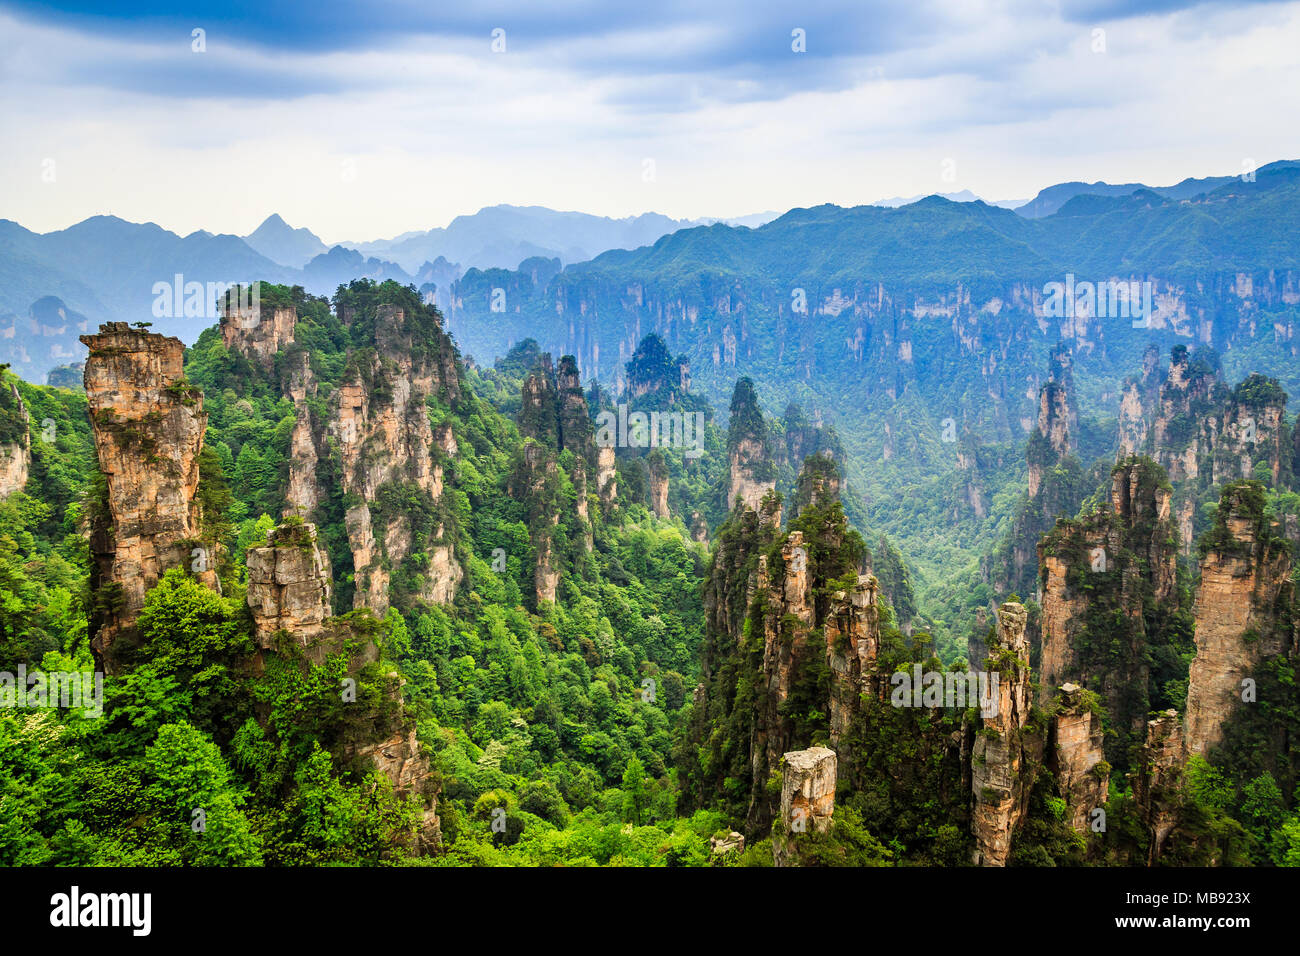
[(576, 431), (288, 596), (388, 452), (752, 474), (1075, 756), (258, 332), (148, 428), (785, 633), (1205, 434), (807, 800), (1244, 611), (15, 441), (536, 482), (1107, 579), (658, 484), (1003, 750), (289, 585), (1138, 402), (554, 418), (1053, 431), (852, 628), (1158, 782)]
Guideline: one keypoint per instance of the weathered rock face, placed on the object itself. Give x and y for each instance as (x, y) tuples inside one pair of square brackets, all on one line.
[(606, 477), (1158, 781), (819, 482), (537, 410), (659, 486), (1242, 613), (304, 492), (400, 758), (852, 629), (753, 473), (807, 800), (148, 428), (289, 597), (1002, 752), (381, 425), (535, 482), (1075, 756), (1108, 571), (749, 470), (16, 455), (1205, 434), (289, 586), (1054, 427), (258, 332), (574, 421)]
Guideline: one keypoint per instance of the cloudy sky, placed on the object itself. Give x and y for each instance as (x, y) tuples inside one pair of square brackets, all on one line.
[(366, 120)]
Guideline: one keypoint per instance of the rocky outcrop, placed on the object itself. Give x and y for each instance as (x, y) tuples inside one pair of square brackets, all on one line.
[(535, 481), (258, 331), (15, 441), (752, 473), (606, 477), (288, 596), (807, 800), (1074, 755), (1158, 780), (1138, 402), (747, 483), (1243, 611), (289, 586), (658, 467), (1003, 754), (389, 453), (1104, 577), (400, 758), (148, 428), (1205, 434), (1053, 429), (852, 628)]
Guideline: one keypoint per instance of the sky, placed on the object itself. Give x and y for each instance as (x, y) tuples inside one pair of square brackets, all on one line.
[(363, 121)]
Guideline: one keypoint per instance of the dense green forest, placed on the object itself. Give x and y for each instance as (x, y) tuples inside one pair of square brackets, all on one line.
[(609, 726)]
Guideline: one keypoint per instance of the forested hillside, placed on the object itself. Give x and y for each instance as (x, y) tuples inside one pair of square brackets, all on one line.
[(352, 597)]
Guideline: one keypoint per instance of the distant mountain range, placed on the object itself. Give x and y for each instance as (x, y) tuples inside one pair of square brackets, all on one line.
[(964, 195), (504, 236), (106, 268)]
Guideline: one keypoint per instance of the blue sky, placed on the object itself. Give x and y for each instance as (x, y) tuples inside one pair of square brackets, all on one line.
[(362, 121)]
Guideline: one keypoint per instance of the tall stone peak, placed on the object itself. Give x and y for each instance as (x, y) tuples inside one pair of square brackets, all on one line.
[(652, 370), (148, 426), (819, 483), (289, 588), (999, 779), (1102, 572), (381, 428), (1244, 611), (752, 472), (289, 585), (256, 329), (808, 780)]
